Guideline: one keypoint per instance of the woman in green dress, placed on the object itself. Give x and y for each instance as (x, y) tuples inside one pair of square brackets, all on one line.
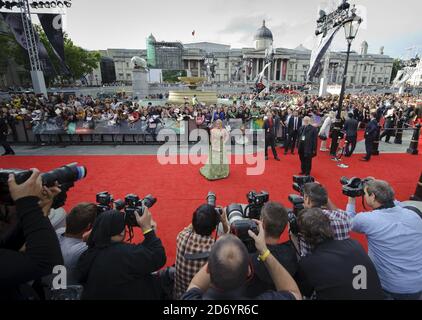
[(217, 166)]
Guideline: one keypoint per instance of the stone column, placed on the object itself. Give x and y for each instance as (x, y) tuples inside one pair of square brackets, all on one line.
[(199, 68), (230, 70)]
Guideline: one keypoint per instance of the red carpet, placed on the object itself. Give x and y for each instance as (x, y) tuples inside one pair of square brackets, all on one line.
[(180, 188)]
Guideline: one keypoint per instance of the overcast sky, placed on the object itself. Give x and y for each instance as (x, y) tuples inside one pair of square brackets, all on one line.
[(101, 24)]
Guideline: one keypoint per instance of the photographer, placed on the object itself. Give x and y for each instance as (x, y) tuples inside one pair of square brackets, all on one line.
[(225, 275), (274, 220), (34, 230), (194, 244), (394, 238), (79, 221), (113, 269), (329, 271), (4, 131), (315, 196)]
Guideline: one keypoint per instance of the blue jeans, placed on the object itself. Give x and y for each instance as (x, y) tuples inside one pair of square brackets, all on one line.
[(403, 296)]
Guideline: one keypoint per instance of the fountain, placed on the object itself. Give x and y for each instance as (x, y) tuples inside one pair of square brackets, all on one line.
[(178, 97)]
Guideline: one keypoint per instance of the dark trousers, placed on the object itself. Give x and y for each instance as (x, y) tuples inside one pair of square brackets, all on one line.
[(350, 147), (290, 142), (368, 147), (388, 133), (305, 163), (5, 144), (270, 142)]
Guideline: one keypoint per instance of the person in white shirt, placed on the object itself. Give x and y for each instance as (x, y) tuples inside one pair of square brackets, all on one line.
[(325, 130)]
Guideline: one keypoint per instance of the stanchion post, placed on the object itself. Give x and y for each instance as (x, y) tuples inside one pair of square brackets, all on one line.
[(399, 133), (413, 148)]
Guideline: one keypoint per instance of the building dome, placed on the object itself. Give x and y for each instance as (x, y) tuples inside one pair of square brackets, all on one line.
[(151, 38), (263, 33)]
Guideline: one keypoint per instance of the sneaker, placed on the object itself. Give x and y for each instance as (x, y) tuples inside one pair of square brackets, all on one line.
[(323, 150)]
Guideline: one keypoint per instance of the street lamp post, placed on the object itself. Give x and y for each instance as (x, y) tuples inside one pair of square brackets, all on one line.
[(351, 27)]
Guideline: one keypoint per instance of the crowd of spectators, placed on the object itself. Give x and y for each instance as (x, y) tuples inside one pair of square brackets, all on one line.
[(242, 106), (320, 261)]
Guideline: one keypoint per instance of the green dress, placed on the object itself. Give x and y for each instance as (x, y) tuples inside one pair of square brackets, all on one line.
[(217, 166)]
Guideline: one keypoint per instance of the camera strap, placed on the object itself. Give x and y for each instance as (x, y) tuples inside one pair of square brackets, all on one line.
[(415, 210), (197, 256)]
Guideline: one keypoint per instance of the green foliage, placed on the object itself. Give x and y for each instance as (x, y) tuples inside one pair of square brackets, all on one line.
[(10, 49), (397, 65), (173, 75), (80, 61)]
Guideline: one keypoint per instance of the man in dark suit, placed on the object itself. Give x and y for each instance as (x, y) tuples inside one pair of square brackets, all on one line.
[(269, 127), (307, 145), (293, 125), (4, 130), (351, 128), (370, 135)]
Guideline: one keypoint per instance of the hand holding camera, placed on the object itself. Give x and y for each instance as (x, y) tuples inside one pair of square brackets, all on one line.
[(259, 238), (31, 187), (145, 220), (47, 198)]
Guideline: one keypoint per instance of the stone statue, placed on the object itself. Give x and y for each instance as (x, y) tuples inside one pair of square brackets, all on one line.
[(139, 63)]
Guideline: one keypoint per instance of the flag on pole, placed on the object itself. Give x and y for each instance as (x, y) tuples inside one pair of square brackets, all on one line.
[(193, 33), (323, 43)]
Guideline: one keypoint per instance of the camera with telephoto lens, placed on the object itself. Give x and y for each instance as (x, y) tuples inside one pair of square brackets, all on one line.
[(255, 203), (300, 181), (297, 202), (353, 187), (132, 204), (240, 229), (65, 177), (240, 220), (212, 201)]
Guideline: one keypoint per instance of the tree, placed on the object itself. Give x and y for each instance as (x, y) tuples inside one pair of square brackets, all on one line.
[(173, 75), (79, 61), (12, 51), (397, 65)]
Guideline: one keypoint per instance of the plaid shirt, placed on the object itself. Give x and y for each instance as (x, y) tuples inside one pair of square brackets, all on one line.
[(189, 242), (340, 223)]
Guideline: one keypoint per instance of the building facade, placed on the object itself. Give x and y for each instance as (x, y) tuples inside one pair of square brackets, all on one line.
[(244, 65)]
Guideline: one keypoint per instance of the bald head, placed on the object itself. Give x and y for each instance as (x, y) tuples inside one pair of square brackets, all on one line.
[(228, 263)]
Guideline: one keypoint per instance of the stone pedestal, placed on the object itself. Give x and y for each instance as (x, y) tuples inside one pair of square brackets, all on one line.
[(323, 87), (140, 83), (401, 90)]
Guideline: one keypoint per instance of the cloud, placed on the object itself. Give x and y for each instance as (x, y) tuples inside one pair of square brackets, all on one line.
[(286, 34)]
